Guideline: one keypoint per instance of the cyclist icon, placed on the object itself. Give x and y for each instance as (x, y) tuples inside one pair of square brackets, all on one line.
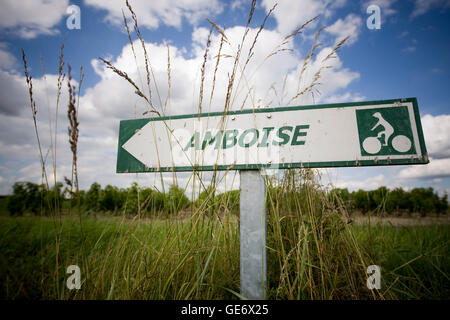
[(373, 145), (387, 131)]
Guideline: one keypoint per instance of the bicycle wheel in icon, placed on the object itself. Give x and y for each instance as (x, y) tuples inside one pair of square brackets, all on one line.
[(372, 145), (400, 143)]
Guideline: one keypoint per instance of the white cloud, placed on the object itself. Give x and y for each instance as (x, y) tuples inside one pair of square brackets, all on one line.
[(332, 79), (423, 6), (12, 103), (370, 183), (436, 130), (31, 172), (291, 14), (345, 97), (7, 60), (409, 49), (30, 18), (350, 26), (151, 13), (435, 169), (238, 4)]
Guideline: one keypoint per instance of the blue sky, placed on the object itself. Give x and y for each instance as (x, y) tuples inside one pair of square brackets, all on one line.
[(407, 57)]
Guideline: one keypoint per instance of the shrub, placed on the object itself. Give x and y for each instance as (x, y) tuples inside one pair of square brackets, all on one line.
[(176, 200), (16, 203), (91, 200)]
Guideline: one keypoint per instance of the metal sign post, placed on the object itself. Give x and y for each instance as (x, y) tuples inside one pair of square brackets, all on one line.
[(253, 264), (371, 133)]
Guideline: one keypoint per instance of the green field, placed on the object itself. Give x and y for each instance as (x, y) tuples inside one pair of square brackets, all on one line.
[(198, 258)]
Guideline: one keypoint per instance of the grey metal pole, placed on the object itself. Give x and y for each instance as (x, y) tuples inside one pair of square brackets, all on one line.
[(253, 235)]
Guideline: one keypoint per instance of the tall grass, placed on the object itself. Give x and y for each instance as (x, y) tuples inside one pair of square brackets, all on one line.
[(123, 259), (199, 259), (313, 252), (414, 260)]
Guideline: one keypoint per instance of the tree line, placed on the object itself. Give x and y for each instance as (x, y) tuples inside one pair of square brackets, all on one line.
[(417, 200), (32, 198)]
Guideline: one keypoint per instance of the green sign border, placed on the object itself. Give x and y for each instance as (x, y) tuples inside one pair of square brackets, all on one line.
[(126, 163)]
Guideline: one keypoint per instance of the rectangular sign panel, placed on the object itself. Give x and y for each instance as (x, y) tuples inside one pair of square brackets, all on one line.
[(384, 132)]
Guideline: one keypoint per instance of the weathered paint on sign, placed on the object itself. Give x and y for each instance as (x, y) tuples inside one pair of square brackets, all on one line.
[(333, 135)]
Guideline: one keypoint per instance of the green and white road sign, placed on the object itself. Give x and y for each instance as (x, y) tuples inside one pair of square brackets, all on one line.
[(333, 135)]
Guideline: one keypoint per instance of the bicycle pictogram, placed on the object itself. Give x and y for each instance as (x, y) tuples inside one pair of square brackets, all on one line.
[(373, 144)]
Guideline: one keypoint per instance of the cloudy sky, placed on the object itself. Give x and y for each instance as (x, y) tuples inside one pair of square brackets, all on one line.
[(407, 57)]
